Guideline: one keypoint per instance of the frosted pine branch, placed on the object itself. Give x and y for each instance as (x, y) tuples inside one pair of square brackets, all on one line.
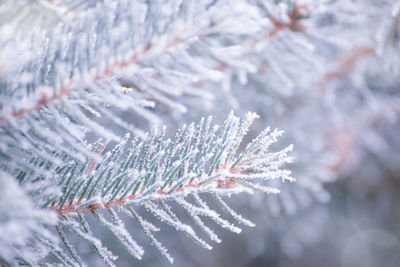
[(78, 77), (76, 71), (98, 73), (200, 159)]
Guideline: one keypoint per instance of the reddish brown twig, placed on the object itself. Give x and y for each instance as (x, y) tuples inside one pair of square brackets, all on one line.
[(294, 24), (346, 65), (221, 183), (101, 149), (73, 85)]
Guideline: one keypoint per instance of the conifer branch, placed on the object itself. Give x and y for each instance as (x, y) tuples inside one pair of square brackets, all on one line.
[(200, 159), (75, 72)]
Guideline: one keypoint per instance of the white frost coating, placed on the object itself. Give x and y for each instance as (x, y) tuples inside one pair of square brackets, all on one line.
[(84, 232), (147, 230), (264, 189), (234, 214), (270, 175), (81, 77), (119, 231), (202, 226), (200, 159), (165, 217), (100, 40), (205, 211)]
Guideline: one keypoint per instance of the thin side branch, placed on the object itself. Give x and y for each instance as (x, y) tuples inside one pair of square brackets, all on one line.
[(73, 84), (221, 182)]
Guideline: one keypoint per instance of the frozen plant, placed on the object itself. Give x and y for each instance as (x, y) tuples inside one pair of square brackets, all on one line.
[(76, 76), (63, 87)]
